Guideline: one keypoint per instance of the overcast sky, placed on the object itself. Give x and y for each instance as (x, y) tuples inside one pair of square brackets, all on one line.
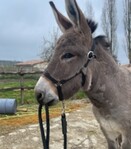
[(24, 23)]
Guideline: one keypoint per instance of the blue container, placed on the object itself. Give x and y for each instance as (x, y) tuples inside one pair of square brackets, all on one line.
[(8, 106)]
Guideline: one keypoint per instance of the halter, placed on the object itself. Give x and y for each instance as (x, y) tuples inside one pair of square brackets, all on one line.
[(91, 55)]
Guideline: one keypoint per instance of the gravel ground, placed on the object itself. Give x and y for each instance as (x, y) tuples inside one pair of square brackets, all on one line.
[(83, 133)]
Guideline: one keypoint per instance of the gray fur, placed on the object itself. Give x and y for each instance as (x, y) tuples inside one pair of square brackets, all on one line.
[(107, 85)]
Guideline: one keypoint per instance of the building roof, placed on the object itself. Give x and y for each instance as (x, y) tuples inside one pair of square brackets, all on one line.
[(128, 66), (30, 63)]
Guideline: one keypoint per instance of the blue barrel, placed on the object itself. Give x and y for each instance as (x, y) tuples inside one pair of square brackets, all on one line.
[(8, 106)]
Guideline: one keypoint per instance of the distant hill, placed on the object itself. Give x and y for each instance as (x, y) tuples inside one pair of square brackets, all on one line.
[(8, 63)]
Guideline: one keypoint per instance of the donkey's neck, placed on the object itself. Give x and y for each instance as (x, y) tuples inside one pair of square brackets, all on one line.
[(102, 70)]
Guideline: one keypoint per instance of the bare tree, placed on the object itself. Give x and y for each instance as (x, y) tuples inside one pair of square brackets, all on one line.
[(49, 45), (89, 10), (109, 23), (127, 27)]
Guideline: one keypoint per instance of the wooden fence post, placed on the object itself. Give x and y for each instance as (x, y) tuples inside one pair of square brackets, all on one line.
[(22, 87)]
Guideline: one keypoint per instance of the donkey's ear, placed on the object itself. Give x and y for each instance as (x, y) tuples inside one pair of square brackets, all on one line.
[(61, 20), (76, 15)]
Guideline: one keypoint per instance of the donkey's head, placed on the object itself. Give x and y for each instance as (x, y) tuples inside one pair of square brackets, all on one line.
[(71, 50)]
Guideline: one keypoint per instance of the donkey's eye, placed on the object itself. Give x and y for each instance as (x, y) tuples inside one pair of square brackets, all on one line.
[(67, 55)]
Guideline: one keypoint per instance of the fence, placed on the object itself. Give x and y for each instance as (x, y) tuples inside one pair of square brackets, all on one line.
[(21, 77)]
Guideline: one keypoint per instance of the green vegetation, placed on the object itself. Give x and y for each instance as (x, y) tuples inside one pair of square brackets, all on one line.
[(80, 95), (28, 96), (16, 83), (13, 81), (9, 81)]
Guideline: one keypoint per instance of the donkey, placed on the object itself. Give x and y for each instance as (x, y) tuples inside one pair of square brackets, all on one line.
[(105, 82)]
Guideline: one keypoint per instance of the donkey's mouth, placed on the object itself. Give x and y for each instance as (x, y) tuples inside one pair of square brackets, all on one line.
[(45, 101), (52, 102)]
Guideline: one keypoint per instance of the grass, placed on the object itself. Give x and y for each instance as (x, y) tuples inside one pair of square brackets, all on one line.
[(29, 96), (29, 81), (16, 83), (79, 95)]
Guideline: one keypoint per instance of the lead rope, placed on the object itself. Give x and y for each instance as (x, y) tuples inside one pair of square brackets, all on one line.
[(45, 139), (63, 115), (64, 124)]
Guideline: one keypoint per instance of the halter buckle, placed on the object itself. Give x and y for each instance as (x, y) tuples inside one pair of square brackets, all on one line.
[(91, 55)]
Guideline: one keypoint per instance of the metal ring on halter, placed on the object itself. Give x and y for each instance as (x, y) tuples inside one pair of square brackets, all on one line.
[(91, 55)]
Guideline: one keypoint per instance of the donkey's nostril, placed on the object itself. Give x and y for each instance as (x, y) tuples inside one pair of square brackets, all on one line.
[(39, 97)]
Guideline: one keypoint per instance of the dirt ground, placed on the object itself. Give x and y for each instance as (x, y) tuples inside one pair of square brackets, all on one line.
[(83, 133), (27, 114)]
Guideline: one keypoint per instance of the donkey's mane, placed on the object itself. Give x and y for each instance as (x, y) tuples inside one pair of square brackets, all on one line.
[(92, 24), (101, 39)]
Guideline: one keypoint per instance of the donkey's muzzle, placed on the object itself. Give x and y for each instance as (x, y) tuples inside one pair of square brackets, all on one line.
[(40, 97), (45, 92)]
